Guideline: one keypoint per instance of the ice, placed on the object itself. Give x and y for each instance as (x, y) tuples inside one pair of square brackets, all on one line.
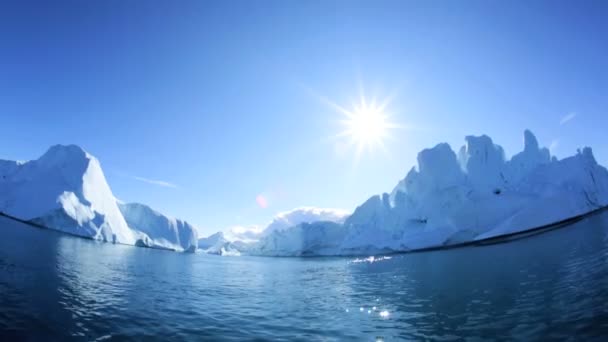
[(446, 199), (65, 189), (296, 216), (318, 238), (216, 239), (163, 231), (449, 199), (292, 242)]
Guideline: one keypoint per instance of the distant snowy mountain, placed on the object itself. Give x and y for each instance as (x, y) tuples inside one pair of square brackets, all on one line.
[(450, 199), (66, 190)]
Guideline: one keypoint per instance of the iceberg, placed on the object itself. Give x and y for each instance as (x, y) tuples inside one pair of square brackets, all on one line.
[(277, 235), (66, 190), (300, 215), (212, 240), (450, 199), (161, 231), (218, 244), (305, 239)]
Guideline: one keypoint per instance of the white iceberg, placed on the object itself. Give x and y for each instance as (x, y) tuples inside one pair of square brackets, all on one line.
[(300, 215), (162, 231), (217, 244), (450, 199), (66, 190), (277, 234), (305, 239)]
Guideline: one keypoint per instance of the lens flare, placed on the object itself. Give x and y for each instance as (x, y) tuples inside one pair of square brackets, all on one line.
[(367, 125)]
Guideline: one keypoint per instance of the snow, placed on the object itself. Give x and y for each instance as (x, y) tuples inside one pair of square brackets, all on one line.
[(65, 189), (449, 199)]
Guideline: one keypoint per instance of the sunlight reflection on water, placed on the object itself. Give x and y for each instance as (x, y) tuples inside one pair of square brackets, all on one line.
[(371, 259), (551, 286)]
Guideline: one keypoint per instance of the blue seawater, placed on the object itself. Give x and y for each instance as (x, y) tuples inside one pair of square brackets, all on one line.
[(550, 286)]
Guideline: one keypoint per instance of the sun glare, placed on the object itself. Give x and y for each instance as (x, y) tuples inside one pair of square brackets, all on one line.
[(366, 125)]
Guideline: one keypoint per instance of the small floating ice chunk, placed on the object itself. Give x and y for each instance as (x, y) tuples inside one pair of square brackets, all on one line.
[(384, 314)]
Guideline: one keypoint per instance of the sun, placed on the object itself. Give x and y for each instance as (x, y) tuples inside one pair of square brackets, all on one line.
[(367, 125)]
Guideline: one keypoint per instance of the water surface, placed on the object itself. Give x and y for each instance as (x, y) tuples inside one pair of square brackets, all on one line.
[(554, 285)]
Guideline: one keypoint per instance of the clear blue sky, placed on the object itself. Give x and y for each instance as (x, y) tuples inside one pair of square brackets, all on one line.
[(222, 99)]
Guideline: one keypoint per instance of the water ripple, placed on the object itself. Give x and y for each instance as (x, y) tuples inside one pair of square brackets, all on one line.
[(550, 286)]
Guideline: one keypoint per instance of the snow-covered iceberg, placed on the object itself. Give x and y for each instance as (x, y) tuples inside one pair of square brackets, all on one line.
[(66, 190), (450, 199)]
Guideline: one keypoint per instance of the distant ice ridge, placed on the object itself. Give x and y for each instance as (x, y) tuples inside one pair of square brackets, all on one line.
[(217, 244), (451, 198), (296, 216), (239, 240), (66, 190)]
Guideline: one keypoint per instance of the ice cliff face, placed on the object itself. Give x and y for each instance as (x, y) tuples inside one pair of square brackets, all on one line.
[(478, 194), (162, 231), (66, 190), (453, 198), (317, 238)]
